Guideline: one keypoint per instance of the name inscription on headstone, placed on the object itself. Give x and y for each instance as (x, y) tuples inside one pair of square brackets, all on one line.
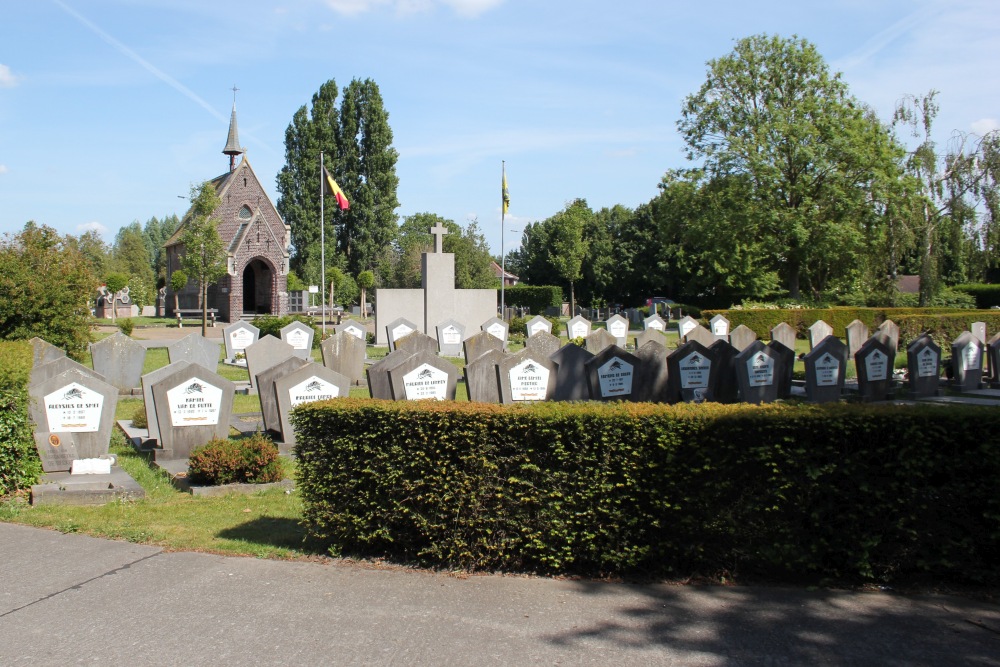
[(760, 370), (695, 369), (401, 331), (618, 329), (579, 330), (312, 389), (971, 359), (877, 366), (927, 363), (450, 335), (194, 403), (425, 381), (615, 378), (298, 339), (536, 327), (496, 330), (240, 339), (528, 381), (827, 371), (74, 408)]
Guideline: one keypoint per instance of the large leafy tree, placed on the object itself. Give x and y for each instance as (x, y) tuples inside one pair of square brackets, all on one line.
[(131, 256), (567, 244), (771, 114), (472, 253), (204, 258)]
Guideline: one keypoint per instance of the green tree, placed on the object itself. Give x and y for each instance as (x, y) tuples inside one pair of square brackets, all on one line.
[(567, 246), (178, 281), (155, 233), (366, 280), (45, 287), (94, 250), (204, 258), (771, 112), (115, 283), (130, 255)]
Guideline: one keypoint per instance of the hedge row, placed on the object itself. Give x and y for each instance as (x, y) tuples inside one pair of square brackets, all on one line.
[(837, 491), (986, 296), (534, 297), (19, 463)]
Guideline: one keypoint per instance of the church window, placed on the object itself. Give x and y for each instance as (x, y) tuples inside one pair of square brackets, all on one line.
[(245, 213)]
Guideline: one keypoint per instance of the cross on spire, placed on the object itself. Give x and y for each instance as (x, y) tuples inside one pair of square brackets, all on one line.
[(234, 94), (439, 230)]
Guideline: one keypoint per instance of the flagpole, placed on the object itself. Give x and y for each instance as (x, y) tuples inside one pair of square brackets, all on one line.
[(503, 257), (322, 244)]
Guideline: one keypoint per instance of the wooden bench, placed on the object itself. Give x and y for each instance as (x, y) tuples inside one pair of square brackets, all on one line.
[(194, 314)]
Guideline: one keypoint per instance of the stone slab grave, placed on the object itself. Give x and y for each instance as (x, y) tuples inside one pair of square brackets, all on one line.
[(700, 334), (525, 377), (478, 344), (496, 328), (237, 337), (119, 359), (692, 370), (308, 384), (826, 370), (64, 488), (481, 377), (344, 353), (655, 322), (193, 405), (784, 333), (684, 327), (415, 341), (148, 380), (856, 334), (578, 327), (265, 390), (785, 369), (993, 357), (874, 363), (611, 375), (300, 336), (56, 450), (758, 373), (967, 362), (57, 366), (651, 375), (354, 329), (450, 335), (79, 404), (266, 352), (44, 352), (923, 365), (817, 332), (378, 374), (571, 378), (538, 324), (741, 337), (423, 376), (600, 340), (648, 335), (719, 326), (398, 328), (617, 326), (890, 329), (726, 388), (196, 349), (543, 343)]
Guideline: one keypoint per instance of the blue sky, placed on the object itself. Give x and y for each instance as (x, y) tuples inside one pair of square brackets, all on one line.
[(110, 110)]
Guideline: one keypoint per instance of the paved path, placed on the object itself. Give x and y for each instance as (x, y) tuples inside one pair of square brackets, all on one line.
[(72, 599)]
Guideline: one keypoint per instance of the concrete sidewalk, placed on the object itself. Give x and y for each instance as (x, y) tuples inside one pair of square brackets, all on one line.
[(72, 599)]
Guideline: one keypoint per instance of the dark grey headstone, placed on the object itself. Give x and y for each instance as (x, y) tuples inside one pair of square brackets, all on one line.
[(826, 369), (398, 328), (650, 335), (481, 377), (741, 337), (148, 380), (890, 329), (874, 364), (119, 359), (378, 374), (612, 375), (415, 341), (617, 326), (238, 336), (543, 343), (993, 357), (785, 369), (345, 353), (312, 382), (726, 388), (42, 372), (651, 375), (193, 405), (571, 377), (655, 322), (967, 362), (56, 450), (496, 328), (478, 344), (784, 333), (450, 335), (423, 376), (265, 390), (599, 340), (817, 332), (923, 366), (196, 349), (263, 354), (578, 327), (300, 336), (77, 403), (758, 373), (692, 371), (538, 324), (719, 326), (857, 334), (525, 376)]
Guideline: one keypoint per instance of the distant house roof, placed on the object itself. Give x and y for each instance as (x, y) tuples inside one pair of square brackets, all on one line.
[(908, 284), (508, 277)]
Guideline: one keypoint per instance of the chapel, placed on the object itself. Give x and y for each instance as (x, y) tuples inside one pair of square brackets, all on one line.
[(257, 246)]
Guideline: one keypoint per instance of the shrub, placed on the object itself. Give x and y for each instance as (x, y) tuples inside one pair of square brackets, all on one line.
[(252, 460), (985, 296), (139, 417), (272, 325), (517, 325), (126, 325), (20, 466), (534, 297)]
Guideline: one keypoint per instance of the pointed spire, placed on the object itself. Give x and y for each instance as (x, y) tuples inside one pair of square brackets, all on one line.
[(232, 148)]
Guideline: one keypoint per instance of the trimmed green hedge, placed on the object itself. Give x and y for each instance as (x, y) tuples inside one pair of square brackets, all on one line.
[(534, 297), (839, 491), (986, 296), (20, 466)]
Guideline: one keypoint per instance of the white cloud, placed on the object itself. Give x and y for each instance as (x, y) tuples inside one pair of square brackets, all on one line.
[(7, 78), (468, 8), (92, 227), (3, 169), (985, 125)]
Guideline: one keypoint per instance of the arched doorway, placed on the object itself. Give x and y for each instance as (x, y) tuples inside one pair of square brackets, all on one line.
[(257, 283)]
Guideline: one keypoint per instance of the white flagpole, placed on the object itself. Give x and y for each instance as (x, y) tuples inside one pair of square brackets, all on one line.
[(322, 243)]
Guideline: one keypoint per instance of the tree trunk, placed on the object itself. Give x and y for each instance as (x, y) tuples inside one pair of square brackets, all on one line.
[(572, 301), (204, 310)]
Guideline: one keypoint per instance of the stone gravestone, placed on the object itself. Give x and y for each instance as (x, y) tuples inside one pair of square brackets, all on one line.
[(578, 327), (719, 326), (701, 335), (978, 330), (56, 450), (874, 363), (310, 383), (300, 336), (263, 354), (78, 404), (757, 373), (352, 328), (691, 370), (571, 378), (450, 334), (923, 365), (741, 337), (193, 405), (481, 377), (993, 359), (538, 324), (525, 376), (44, 352), (415, 341), (478, 344), (345, 353), (890, 329), (237, 337), (967, 362), (826, 368), (651, 374), (43, 372), (684, 327), (784, 333), (656, 322), (726, 388), (650, 335), (611, 375), (496, 328), (266, 380), (378, 374), (148, 380), (398, 328), (617, 326), (785, 369), (543, 343), (856, 334), (119, 359), (599, 340), (423, 376), (197, 349), (817, 332)]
